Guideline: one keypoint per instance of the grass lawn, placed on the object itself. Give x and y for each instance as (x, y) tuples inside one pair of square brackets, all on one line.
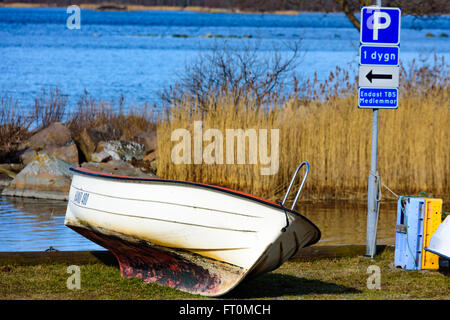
[(338, 278)]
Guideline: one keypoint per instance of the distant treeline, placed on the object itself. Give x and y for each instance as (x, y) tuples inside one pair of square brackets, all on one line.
[(424, 6)]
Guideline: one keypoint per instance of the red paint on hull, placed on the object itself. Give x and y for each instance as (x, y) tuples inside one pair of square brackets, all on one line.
[(180, 270)]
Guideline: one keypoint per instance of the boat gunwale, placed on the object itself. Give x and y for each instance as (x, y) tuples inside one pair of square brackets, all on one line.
[(439, 254), (206, 186)]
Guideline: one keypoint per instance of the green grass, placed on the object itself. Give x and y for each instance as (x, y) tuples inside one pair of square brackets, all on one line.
[(340, 278)]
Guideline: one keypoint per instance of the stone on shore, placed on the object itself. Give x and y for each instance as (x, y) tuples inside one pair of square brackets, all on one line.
[(68, 153), (54, 140), (149, 140), (101, 156), (27, 155), (10, 169), (8, 172), (14, 167), (151, 156), (5, 180), (117, 167), (89, 138), (121, 150), (55, 134), (45, 177)]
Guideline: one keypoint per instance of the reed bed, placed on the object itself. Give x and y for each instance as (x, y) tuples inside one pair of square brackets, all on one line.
[(332, 134)]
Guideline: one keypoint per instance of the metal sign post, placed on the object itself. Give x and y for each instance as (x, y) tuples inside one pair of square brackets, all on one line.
[(378, 88), (372, 195)]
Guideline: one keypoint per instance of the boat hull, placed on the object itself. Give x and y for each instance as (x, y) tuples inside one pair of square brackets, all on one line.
[(165, 266), (195, 238), (440, 240)]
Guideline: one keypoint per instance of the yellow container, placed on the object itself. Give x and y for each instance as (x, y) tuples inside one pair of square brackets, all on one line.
[(432, 219)]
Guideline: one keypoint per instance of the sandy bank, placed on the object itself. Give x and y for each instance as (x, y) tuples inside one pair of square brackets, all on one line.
[(110, 7)]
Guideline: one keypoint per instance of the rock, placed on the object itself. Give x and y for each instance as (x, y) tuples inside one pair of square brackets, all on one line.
[(154, 166), (89, 138), (151, 156), (101, 156), (144, 166), (68, 153), (54, 140), (87, 144), (122, 150), (148, 139), (45, 177), (10, 169), (56, 134), (5, 180), (117, 167), (7, 172), (27, 155)]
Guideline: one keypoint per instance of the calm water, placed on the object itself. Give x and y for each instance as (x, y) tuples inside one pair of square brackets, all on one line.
[(35, 225), (139, 53)]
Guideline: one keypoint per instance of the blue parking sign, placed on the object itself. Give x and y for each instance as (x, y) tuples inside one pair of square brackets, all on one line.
[(380, 25)]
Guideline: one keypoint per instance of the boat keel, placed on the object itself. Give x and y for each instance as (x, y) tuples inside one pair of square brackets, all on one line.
[(175, 268)]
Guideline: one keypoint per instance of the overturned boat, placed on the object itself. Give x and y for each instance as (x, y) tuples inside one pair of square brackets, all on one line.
[(194, 237), (440, 240)]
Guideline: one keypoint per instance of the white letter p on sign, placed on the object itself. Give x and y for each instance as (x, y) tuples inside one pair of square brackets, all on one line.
[(377, 15)]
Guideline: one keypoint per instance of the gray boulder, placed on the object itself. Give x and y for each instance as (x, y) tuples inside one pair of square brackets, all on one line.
[(117, 167), (122, 150), (5, 180), (68, 153), (55, 140), (45, 177), (89, 138), (101, 156), (55, 134), (149, 140)]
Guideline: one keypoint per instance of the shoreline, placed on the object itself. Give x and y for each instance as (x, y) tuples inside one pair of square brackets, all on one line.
[(196, 9), (105, 256), (116, 7)]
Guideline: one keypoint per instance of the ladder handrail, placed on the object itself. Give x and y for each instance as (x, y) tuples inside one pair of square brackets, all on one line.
[(292, 183)]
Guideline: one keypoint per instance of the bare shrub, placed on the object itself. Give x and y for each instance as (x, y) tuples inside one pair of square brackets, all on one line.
[(91, 113), (226, 70), (13, 127), (425, 78), (49, 107)]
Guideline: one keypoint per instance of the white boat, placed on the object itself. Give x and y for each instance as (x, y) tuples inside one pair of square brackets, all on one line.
[(440, 240), (198, 238)]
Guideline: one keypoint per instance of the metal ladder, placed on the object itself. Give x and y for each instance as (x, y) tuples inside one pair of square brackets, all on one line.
[(304, 163)]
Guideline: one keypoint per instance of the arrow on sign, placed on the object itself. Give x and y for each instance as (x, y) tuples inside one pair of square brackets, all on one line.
[(378, 76), (371, 76)]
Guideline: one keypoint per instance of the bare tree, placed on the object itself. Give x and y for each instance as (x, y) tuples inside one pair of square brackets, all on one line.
[(417, 8), (241, 72), (350, 7)]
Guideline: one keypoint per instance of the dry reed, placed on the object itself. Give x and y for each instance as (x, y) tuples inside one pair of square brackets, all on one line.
[(333, 135)]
